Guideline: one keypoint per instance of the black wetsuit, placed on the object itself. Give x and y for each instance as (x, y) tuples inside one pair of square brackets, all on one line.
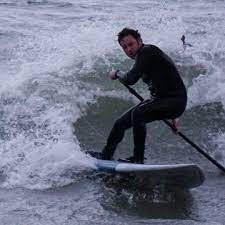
[(168, 99)]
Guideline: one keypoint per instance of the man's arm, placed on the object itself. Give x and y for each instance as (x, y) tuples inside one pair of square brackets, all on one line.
[(131, 77)]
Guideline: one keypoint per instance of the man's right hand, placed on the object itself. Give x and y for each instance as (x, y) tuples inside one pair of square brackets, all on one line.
[(176, 125), (112, 74)]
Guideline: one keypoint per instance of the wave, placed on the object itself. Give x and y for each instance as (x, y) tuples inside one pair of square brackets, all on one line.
[(54, 69)]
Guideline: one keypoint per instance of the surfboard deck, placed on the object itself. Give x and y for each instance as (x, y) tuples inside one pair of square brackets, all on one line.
[(182, 175)]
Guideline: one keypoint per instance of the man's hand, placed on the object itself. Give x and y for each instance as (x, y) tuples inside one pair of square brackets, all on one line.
[(112, 74), (176, 124)]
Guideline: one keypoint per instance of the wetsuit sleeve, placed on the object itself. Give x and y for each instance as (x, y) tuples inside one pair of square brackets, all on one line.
[(132, 76)]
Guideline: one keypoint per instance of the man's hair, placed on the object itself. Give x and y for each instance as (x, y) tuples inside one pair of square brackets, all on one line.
[(128, 31)]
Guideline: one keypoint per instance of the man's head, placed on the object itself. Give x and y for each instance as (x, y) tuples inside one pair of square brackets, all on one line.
[(130, 40)]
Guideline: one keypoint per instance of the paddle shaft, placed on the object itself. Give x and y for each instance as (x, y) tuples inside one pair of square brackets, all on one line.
[(132, 91)]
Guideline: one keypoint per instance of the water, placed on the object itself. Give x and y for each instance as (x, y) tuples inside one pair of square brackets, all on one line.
[(56, 102)]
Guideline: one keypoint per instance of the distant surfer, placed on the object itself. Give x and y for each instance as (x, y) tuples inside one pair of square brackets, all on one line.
[(184, 42), (167, 100)]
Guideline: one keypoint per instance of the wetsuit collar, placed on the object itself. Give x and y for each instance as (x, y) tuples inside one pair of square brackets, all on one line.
[(140, 48)]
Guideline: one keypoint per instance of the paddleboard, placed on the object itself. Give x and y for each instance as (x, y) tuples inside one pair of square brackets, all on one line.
[(183, 175)]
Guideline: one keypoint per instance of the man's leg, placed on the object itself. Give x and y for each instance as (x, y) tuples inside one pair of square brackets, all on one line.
[(115, 137), (146, 112), (139, 135), (117, 133)]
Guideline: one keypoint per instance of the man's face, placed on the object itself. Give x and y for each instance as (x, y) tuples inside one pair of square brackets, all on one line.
[(130, 45)]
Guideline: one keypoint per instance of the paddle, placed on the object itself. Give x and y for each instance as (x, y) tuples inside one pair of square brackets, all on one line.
[(132, 91)]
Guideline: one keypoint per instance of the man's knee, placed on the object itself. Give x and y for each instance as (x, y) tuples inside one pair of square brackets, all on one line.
[(137, 118), (120, 124)]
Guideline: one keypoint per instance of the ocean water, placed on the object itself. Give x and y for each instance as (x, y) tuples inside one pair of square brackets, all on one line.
[(56, 101)]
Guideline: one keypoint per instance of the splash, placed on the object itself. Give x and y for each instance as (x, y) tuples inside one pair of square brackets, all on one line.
[(53, 69)]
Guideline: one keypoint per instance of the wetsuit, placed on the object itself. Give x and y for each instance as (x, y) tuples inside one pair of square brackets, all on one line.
[(168, 98)]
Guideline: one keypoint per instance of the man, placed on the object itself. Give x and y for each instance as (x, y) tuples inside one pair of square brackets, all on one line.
[(168, 93)]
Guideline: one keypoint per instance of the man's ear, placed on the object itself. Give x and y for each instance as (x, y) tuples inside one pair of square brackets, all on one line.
[(140, 42)]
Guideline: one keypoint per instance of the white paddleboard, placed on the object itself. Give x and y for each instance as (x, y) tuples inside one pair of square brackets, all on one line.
[(182, 175)]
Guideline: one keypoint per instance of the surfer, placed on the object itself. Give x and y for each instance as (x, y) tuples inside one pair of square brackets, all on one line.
[(167, 100), (185, 44)]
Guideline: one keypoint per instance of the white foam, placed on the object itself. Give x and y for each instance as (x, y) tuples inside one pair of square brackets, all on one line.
[(42, 163), (207, 89), (38, 157), (48, 56)]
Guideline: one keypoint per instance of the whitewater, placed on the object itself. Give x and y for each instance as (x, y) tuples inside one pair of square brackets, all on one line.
[(56, 102)]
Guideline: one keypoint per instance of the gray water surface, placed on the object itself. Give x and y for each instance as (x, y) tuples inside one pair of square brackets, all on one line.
[(56, 102)]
